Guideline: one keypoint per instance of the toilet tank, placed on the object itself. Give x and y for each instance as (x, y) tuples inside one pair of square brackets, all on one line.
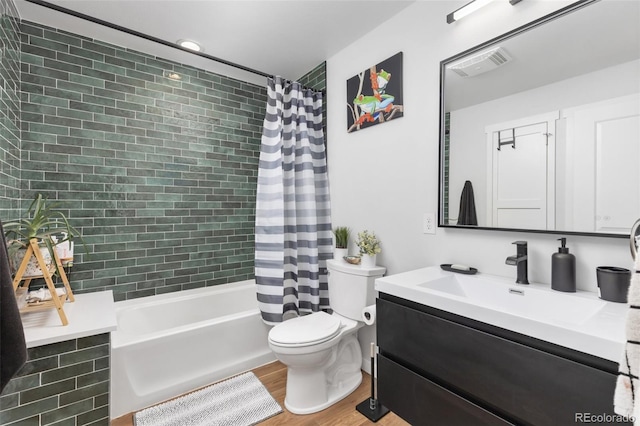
[(351, 287)]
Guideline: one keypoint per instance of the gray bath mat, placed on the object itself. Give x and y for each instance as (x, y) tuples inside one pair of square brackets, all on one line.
[(239, 401)]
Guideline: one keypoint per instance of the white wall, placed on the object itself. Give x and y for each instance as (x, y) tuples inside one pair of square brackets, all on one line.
[(385, 177)]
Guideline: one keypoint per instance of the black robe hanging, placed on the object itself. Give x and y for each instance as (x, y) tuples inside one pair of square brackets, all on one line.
[(467, 214)]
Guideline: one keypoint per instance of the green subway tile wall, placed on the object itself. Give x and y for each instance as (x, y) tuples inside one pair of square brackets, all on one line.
[(158, 174), (9, 110), (317, 79), (64, 383)]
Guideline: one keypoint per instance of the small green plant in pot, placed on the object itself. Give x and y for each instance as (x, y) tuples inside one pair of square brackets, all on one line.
[(341, 234), (42, 222), (369, 246)]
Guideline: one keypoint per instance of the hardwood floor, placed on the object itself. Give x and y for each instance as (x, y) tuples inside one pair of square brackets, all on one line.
[(274, 378)]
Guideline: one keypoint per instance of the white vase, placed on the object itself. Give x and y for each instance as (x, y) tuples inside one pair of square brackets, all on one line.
[(33, 267), (340, 253), (368, 261)]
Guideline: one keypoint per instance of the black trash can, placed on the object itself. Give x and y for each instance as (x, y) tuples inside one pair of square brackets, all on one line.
[(613, 283)]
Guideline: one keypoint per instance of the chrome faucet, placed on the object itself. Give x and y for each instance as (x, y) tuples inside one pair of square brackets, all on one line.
[(520, 260)]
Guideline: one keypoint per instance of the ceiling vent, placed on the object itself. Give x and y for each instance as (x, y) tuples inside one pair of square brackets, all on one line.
[(481, 62)]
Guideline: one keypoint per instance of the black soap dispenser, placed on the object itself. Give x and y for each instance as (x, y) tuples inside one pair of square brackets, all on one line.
[(563, 269)]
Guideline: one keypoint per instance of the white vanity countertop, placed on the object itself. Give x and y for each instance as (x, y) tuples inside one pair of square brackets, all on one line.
[(580, 321), (90, 314)]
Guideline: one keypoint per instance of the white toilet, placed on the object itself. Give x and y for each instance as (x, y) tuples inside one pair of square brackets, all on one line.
[(321, 351)]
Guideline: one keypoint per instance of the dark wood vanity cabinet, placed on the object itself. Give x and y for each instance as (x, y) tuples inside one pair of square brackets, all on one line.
[(437, 368)]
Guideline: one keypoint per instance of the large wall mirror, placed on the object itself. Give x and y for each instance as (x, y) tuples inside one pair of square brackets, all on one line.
[(540, 128)]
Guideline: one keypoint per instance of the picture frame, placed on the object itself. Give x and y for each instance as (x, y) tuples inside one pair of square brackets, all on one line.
[(374, 96)]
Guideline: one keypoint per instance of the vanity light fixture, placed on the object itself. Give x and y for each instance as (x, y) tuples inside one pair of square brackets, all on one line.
[(191, 45), (471, 7), (467, 9)]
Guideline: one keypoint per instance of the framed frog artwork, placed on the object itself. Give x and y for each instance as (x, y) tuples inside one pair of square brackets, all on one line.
[(375, 95)]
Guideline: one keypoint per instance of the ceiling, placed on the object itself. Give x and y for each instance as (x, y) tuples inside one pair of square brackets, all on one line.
[(287, 38), (597, 36)]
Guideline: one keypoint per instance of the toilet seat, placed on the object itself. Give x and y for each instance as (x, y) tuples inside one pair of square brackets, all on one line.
[(307, 330)]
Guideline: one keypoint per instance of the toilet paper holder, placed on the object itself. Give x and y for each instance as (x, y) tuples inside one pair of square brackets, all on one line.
[(371, 407), (369, 314)]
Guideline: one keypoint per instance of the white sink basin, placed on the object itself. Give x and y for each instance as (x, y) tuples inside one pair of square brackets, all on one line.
[(525, 300), (580, 321)]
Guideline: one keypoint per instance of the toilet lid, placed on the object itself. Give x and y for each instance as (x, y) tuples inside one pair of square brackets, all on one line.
[(306, 330)]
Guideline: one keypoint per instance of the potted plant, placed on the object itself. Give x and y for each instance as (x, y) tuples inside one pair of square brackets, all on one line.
[(342, 242), (48, 226), (369, 246)]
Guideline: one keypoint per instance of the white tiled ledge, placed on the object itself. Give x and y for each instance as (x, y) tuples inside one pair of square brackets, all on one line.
[(90, 314)]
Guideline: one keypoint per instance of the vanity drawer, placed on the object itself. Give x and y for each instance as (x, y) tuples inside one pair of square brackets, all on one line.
[(525, 384), (424, 402)]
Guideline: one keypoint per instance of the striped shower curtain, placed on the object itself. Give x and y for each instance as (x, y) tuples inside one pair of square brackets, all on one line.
[(293, 213)]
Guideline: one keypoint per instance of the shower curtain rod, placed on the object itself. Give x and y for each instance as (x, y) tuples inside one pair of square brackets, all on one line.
[(152, 38)]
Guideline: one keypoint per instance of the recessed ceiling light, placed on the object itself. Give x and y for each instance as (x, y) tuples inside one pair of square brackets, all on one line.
[(192, 45), (172, 75)]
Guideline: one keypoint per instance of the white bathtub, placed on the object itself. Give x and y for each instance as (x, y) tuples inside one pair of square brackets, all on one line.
[(173, 343)]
